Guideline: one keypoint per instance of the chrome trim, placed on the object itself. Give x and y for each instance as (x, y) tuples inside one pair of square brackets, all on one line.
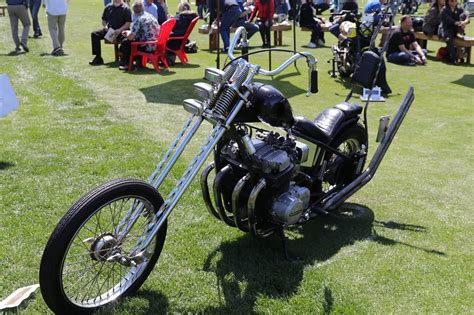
[(193, 106), (235, 203)]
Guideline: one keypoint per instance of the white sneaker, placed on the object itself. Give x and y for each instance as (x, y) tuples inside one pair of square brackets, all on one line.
[(320, 43), (312, 45)]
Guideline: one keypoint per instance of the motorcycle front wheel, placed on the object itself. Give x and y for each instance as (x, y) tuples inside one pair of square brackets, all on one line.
[(91, 257)]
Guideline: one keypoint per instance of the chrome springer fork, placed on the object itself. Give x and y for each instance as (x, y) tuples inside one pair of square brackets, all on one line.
[(159, 175)]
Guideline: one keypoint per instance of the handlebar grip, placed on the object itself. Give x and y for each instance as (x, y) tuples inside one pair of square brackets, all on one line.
[(314, 82)]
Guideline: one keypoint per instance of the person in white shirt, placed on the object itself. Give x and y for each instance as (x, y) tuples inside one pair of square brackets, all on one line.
[(56, 12)]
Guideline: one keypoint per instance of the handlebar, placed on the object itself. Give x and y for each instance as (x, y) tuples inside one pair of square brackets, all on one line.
[(312, 72)]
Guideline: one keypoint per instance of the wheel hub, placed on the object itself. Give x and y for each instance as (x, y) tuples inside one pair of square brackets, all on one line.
[(104, 247)]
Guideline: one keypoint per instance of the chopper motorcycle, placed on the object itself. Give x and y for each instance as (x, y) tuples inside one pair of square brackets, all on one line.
[(356, 33), (347, 50), (109, 241)]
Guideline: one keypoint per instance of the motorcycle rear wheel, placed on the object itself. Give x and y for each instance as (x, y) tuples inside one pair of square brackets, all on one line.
[(86, 264), (339, 173)]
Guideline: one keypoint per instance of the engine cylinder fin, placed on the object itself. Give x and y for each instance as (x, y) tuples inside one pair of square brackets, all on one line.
[(205, 190), (229, 220), (252, 220), (239, 222)]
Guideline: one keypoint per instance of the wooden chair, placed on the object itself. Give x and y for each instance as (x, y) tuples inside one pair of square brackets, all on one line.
[(180, 51), (159, 53)]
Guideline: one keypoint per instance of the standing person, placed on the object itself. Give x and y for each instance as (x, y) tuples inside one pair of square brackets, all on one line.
[(116, 16), (56, 13), (265, 9), (18, 10), (432, 19), (201, 8), (402, 46), (163, 4), (151, 8), (34, 9), (453, 21)]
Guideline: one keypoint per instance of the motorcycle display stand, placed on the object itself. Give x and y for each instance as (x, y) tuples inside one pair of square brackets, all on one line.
[(375, 96)]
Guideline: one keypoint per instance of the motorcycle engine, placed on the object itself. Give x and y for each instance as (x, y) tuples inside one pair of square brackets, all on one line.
[(276, 159)]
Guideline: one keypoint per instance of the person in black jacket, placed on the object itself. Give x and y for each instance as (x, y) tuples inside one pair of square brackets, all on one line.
[(18, 10), (116, 16), (453, 21), (432, 18), (308, 20), (183, 19)]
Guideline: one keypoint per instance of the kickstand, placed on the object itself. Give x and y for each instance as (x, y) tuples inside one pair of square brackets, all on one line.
[(281, 234)]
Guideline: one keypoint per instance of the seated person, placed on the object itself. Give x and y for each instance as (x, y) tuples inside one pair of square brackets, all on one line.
[(116, 16), (402, 46), (230, 16), (281, 7), (183, 19), (308, 20), (265, 9), (432, 18), (144, 29), (453, 22)]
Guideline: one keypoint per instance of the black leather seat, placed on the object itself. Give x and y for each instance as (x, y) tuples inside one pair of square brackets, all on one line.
[(350, 110), (325, 125)]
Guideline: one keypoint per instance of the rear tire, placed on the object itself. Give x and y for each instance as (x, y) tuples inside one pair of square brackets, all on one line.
[(338, 171), (81, 268)]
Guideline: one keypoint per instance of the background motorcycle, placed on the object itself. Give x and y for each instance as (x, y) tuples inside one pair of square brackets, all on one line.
[(109, 241), (353, 38), (408, 6)]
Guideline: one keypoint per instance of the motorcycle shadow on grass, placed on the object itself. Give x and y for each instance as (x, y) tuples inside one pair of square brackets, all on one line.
[(174, 92), (263, 269), (143, 302)]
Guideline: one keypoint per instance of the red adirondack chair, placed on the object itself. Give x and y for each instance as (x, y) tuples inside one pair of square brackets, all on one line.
[(159, 52), (180, 52)]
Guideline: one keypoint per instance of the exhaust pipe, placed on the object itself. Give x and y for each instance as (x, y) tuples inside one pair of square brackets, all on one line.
[(336, 199), (252, 220), (218, 195), (241, 224), (205, 190)]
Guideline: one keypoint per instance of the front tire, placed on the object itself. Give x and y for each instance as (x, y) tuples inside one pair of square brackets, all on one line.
[(88, 262)]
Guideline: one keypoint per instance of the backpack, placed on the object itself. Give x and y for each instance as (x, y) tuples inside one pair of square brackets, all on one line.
[(442, 53)]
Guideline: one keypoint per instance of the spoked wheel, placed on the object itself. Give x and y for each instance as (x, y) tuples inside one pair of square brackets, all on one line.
[(93, 256), (339, 171)]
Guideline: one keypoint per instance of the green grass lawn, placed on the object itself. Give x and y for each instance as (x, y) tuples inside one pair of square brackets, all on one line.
[(79, 126)]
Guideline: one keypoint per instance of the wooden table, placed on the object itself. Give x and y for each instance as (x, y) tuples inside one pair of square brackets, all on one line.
[(2, 9)]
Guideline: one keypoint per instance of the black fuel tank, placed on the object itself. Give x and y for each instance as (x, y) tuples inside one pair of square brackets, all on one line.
[(271, 106)]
